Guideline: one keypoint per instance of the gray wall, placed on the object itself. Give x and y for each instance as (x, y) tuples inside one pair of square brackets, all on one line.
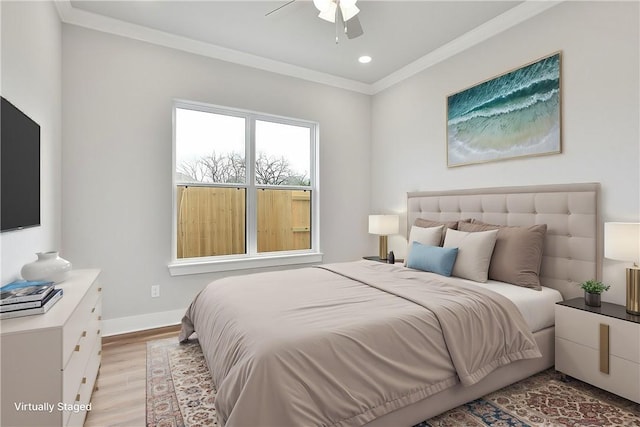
[(600, 116), (31, 80), (107, 180), (117, 159)]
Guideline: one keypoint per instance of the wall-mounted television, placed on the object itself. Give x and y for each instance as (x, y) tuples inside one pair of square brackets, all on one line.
[(19, 169)]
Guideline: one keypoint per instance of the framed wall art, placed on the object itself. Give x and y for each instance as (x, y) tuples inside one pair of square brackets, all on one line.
[(513, 115)]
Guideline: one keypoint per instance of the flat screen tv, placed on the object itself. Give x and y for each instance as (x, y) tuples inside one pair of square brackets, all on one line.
[(20, 169)]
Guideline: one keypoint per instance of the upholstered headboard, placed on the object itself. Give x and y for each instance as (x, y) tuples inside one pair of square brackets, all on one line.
[(573, 243)]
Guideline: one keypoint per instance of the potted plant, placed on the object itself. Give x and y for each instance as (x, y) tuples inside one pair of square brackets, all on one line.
[(592, 291)]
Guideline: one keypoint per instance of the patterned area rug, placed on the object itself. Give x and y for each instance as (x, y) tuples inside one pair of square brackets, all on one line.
[(180, 393), (179, 388)]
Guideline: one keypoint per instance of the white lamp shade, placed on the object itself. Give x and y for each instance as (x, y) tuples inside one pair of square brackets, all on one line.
[(384, 225), (622, 241)]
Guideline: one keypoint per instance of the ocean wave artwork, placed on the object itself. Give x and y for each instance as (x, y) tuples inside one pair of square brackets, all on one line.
[(513, 115)]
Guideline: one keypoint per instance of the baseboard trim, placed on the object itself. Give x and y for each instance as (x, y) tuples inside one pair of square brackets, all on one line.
[(125, 325)]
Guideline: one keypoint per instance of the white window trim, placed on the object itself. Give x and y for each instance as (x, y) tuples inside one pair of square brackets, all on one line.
[(197, 266), (252, 259)]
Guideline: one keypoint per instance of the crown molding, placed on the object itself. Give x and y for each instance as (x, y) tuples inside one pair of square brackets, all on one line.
[(528, 9), (70, 15), (497, 25)]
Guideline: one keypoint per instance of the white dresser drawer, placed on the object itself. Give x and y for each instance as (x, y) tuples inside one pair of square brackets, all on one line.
[(87, 384), (75, 372), (58, 373), (76, 327)]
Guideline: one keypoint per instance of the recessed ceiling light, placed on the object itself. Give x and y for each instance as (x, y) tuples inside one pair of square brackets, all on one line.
[(364, 59)]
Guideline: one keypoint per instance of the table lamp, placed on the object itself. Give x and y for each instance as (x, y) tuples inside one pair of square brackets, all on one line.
[(384, 225), (622, 242)]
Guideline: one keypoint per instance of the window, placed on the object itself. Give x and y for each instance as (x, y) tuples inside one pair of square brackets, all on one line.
[(245, 189)]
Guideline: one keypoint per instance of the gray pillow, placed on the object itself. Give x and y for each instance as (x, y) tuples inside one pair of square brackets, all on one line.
[(421, 222), (518, 253), (429, 236), (474, 253)]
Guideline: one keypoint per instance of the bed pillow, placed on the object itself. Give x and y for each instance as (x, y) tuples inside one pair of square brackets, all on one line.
[(421, 222), (430, 236), (435, 259), (517, 256), (474, 253)]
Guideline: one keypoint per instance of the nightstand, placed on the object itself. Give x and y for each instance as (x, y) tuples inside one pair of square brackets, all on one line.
[(599, 345)]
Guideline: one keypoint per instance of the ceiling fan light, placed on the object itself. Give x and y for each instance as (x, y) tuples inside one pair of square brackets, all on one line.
[(321, 5), (329, 13), (348, 11)]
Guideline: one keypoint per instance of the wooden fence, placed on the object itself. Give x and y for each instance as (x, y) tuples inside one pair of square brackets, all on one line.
[(211, 221)]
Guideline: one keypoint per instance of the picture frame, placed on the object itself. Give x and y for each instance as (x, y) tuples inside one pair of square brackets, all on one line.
[(516, 114)]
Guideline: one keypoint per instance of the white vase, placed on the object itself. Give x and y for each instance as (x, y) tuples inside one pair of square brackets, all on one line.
[(49, 266)]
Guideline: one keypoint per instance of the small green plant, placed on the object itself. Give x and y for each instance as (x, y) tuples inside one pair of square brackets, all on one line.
[(594, 287)]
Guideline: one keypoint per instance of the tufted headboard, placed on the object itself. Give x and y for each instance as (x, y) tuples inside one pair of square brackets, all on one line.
[(573, 243)]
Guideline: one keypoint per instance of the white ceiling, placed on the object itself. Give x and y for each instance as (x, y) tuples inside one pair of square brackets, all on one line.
[(293, 40)]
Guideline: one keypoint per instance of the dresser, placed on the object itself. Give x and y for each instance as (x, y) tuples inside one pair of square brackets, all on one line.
[(599, 345), (50, 361)]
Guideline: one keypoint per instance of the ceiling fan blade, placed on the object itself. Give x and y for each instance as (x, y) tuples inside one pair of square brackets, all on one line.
[(279, 7), (353, 28), (349, 10), (329, 13)]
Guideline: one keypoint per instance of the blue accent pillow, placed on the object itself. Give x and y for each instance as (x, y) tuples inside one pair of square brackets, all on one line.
[(435, 259)]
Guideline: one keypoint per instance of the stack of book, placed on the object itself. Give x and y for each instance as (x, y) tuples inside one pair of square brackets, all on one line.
[(25, 298)]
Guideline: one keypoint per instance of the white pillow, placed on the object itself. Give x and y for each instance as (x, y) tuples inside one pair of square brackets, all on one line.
[(474, 253), (430, 236)]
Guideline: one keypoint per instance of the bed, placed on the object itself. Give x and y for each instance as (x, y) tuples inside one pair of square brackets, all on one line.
[(365, 343)]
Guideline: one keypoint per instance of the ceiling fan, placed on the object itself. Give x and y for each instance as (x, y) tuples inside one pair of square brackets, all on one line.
[(341, 12)]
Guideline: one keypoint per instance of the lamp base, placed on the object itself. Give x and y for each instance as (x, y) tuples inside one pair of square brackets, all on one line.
[(383, 248), (633, 291)]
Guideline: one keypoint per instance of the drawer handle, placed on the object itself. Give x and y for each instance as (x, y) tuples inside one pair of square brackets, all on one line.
[(99, 317), (93, 309), (78, 397), (99, 352), (84, 380), (84, 334), (100, 289), (77, 348), (98, 331), (604, 348)]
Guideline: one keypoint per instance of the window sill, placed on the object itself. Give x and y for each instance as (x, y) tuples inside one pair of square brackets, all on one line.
[(191, 266)]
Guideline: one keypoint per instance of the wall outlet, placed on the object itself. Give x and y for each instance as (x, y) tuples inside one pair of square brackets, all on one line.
[(155, 291)]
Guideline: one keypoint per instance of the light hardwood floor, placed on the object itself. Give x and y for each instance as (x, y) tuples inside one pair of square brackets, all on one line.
[(120, 397)]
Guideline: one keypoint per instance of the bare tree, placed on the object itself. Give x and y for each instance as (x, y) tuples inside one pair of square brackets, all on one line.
[(194, 170), (231, 168), (237, 167), (272, 170), (217, 167)]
